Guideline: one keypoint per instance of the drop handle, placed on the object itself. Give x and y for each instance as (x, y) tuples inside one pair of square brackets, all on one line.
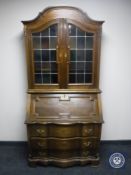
[(87, 144), (60, 55), (66, 58), (41, 144), (65, 55), (59, 58)]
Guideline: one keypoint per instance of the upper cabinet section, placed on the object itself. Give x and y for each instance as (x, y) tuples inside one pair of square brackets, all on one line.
[(63, 51)]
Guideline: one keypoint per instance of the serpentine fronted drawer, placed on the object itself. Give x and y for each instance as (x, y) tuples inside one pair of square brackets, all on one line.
[(64, 131)]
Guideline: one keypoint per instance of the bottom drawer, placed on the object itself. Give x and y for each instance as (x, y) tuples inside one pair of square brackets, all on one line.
[(63, 154)]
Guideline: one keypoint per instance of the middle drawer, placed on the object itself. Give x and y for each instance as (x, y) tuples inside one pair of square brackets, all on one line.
[(63, 144)]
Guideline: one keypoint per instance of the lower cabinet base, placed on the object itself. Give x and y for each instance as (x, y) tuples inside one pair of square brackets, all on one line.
[(64, 162)]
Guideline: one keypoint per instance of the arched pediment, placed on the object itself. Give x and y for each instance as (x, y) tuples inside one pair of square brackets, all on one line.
[(53, 13)]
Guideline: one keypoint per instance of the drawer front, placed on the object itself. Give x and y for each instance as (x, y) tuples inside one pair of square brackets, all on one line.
[(64, 144), (37, 130), (89, 144), (39, 144), (91, 130), (64, 131)]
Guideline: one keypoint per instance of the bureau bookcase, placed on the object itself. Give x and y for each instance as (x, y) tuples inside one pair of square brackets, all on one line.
[(64, 117)]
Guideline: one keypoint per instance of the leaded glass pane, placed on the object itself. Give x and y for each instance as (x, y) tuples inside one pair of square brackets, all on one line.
[(88, 67), (54, 78), (88, 78), (37, 55), (52, 55), (45, 32), (53, 41), (80, 32), (89, 42), (80, 55), (80, 42), (46, 67), (72, 67), (72, 78), (54, 67), (73, 55), (36, 43), (37, 67), (80, 67), (72, 42), (45, 55), (89, 55), (38, 78), (46, 78), (80, 78), (53, 30), (45, 42)]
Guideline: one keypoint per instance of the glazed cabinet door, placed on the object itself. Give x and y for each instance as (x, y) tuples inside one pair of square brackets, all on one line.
[(81, 55), (49, 56), (44, 56)]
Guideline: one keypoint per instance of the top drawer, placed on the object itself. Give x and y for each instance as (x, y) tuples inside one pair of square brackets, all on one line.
[(64, 131)]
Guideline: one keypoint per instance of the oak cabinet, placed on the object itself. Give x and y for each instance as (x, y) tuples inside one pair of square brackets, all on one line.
[(64, 109)]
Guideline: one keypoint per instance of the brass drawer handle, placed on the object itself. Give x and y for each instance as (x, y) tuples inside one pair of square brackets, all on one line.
[(60, 55), (42, 153), (40, 131), (87, 144), (65, 55), (64, 142), (85, 153), (59, 61), (88, 131), (41, 144)]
